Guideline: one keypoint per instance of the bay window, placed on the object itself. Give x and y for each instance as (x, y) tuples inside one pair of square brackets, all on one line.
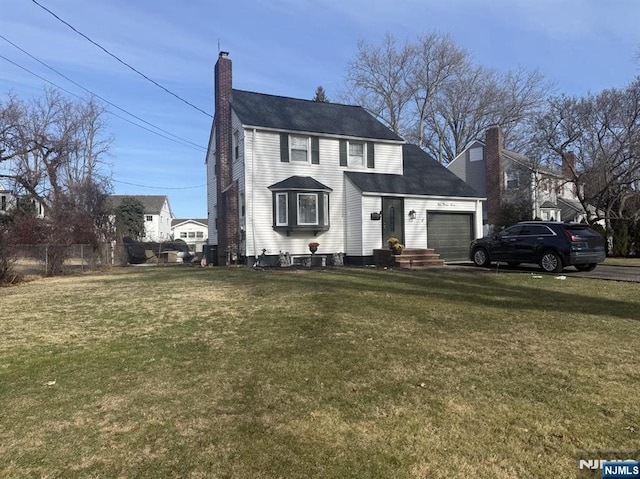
[(300, 203)]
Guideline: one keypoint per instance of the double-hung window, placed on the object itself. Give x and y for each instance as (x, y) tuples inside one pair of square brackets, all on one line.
[(299, 148), (356, 154), (513, 180)]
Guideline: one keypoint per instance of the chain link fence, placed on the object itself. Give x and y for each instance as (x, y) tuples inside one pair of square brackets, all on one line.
[(41, 259)]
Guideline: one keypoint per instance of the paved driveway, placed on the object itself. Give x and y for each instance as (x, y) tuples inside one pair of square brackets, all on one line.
[(602, 271)]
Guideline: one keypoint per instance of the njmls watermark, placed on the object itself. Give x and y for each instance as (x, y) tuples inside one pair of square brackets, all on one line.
[(609, 464)]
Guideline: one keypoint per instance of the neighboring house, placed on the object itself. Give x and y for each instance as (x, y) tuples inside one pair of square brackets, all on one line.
[(283, 172), (194, 232), (8, 200), (508, 178), (157, 215)]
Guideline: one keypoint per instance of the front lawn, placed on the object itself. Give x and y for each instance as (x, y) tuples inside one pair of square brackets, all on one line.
[(353, 373)]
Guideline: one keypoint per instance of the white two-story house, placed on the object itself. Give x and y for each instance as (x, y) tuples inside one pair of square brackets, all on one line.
[(192, 231), (157, 215), (284, 172)]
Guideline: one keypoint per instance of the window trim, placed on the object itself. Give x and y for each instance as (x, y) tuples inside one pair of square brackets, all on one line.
[(307, 150), (512, 180), (277, 196), (317, 209), (350, 157)]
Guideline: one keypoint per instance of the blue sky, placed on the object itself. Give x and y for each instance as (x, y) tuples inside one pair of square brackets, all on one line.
[(283, 47)]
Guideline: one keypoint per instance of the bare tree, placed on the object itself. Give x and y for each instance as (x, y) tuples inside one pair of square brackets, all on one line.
[(432, 93), (603, 132), (379, 80), (436, 60), (52, 151)]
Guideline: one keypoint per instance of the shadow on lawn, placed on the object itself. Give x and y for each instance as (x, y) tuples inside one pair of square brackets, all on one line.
[(473, 289)]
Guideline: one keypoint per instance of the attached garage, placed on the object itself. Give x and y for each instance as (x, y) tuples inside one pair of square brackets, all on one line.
[(449, 234)]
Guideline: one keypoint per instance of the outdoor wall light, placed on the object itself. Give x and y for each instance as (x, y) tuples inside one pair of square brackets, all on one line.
[(375, 216), (412, 214)]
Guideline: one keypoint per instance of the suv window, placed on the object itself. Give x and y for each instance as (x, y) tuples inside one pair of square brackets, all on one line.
[(536, 230), (512, 231), (582, 230)]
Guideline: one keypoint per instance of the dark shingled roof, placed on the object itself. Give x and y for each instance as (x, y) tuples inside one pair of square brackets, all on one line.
[(282, 113), (299, 183), (422, 176), (152, 203)]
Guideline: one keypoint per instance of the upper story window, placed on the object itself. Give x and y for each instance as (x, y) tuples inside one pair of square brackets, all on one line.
[(512, 179), (148, 218), (476, 154), (357, 154), (236, 145), (299, 148)]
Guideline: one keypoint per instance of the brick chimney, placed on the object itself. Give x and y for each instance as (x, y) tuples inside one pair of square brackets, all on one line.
[(569, 170), (494, 144), (569, 165), (227, 209)]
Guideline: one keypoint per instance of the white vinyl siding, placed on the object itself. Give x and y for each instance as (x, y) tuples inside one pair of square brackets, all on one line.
[(355, 216), (212, 189)]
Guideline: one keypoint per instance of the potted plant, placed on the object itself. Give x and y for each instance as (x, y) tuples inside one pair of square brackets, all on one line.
[(313, 246), (395, 246)]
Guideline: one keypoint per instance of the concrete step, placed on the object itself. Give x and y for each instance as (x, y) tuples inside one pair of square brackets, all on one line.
[(418, 258)]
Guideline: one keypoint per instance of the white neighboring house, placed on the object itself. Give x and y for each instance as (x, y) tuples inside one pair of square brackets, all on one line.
[(157, 215), (8, 201), (192, 231), (284, 172)]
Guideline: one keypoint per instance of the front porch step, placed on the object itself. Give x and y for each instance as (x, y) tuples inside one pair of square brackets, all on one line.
[(418, 258), (410, 258)]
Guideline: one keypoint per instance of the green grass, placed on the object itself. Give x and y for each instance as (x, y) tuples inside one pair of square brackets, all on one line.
[(617, 261), (234, 373)]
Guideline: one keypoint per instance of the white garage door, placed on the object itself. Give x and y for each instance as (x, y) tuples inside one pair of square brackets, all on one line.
[(450, 234)]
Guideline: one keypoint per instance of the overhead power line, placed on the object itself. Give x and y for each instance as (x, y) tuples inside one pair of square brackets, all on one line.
[(160, 187), (120, 60), (186, 142), (79, 97)]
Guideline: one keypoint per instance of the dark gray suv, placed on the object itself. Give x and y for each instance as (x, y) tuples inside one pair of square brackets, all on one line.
[(552, 245)]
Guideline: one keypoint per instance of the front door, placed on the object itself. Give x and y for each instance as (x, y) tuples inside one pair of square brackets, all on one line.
[(392, 219)]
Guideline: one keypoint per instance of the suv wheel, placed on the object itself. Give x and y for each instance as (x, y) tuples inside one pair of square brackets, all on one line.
[(481, 257), (550, 262), (585, 267)]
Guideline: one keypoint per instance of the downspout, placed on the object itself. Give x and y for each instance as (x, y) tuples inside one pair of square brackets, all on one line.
[(253, 215)]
